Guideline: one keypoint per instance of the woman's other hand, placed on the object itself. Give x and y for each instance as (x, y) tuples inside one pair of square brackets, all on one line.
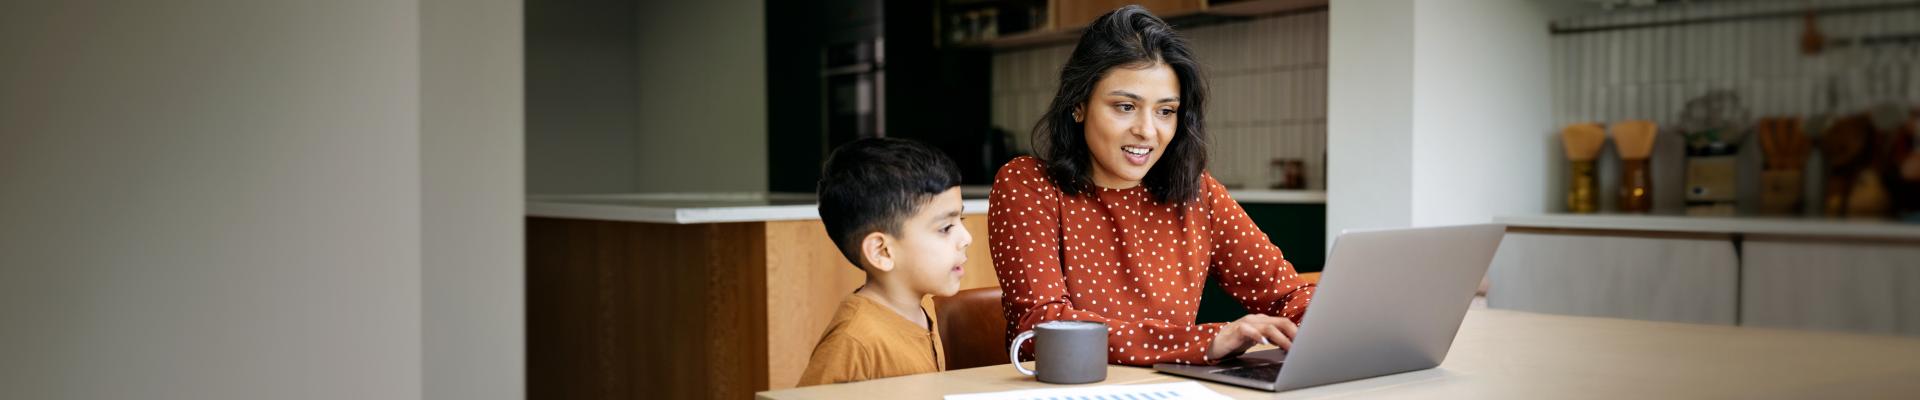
[(1242, 334)]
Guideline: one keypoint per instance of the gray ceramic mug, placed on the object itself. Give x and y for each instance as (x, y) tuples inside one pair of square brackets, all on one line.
[(1064, 351)]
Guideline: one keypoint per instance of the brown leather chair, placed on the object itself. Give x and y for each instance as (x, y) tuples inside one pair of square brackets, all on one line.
[(973, 328)]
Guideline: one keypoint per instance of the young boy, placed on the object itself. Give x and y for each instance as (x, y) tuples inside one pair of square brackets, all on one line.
[(892, 206)]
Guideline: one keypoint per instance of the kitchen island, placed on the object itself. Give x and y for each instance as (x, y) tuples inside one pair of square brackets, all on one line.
[(716, 295), (685, 296)]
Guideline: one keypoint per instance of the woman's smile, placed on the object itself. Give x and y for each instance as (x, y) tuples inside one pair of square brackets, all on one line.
[(1137, 154)]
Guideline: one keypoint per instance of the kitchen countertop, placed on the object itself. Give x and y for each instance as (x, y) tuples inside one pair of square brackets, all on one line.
[(689, 208), (1801, 227), (705, 208), (1252, 196)]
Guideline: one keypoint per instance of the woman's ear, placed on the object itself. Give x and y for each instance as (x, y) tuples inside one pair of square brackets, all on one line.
[(1080, 113), (875, 248)]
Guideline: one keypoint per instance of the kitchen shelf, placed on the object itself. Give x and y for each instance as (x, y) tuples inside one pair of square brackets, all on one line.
[(1211, 14), (1248, 196), (1774, 226)]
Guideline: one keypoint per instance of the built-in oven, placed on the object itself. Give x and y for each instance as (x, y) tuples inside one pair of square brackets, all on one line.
[(855, 82)]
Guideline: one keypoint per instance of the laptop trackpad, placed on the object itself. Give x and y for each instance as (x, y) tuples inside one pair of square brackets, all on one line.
[(1261, 365), (1266, 372)]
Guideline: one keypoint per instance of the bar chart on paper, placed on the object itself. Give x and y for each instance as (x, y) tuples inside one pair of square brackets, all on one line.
[(1160, 391)]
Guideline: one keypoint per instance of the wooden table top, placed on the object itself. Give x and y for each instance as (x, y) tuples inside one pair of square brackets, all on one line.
[(1511, 354)]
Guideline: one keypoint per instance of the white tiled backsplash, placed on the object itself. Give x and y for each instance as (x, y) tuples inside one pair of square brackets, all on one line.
[(1269, 81), (1650, 73)]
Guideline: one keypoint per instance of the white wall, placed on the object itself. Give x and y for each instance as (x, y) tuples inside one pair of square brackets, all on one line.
[(702, 97), (1369, 115), (1483, 128), (1438, 112), (581, 102), (654, 97), (234, 201), (471, 134)]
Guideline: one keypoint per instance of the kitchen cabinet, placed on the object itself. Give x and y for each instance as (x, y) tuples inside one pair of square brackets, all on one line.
[(1660, 278), (685, 296), (1852, 276), (1871, 288)]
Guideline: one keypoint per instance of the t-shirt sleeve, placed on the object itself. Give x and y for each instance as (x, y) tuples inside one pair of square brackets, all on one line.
[(835, 360)]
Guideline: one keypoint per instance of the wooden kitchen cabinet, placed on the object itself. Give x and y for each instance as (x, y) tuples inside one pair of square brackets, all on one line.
[(621, 309)]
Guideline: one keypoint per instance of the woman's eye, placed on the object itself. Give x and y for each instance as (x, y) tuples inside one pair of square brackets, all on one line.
[(1126, 107), (1166, 112)]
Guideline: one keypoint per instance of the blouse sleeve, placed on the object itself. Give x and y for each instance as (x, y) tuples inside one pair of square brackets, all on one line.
[(1247, 264), (1023, 235)]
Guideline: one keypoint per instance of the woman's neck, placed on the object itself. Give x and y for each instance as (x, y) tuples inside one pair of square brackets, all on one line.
[(901, 302), (1107, 180)]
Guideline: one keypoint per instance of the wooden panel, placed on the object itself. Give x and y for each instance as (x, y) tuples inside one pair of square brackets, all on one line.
[(1866, 288), (567, 313), (807, 278), (1077, 14), (635, 310), (1663, 279), (979, 265)]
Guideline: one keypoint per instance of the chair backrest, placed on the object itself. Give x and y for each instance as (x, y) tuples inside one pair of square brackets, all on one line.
[(1311, 277), (973, 329)]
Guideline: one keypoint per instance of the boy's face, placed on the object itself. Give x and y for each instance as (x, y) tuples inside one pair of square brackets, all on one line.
[(932, 245)]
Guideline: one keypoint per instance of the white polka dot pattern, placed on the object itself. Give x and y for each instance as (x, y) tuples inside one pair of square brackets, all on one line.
[(1117, 256)]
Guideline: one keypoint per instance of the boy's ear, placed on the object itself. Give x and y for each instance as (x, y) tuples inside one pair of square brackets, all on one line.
[(874, 247)]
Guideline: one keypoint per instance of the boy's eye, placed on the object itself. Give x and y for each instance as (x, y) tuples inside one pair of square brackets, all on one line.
[(945, 229)]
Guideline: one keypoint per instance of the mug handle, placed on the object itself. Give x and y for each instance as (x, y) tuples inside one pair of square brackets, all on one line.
[(1013, 352)]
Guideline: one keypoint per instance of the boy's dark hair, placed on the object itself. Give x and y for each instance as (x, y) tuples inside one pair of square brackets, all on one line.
[(1128, 37), (872, 185)]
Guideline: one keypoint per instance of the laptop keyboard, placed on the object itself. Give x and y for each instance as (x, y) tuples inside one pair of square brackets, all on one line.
[(1263, 372)]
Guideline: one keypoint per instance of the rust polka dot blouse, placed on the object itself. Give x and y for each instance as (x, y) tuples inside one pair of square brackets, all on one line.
[(1117, 256)]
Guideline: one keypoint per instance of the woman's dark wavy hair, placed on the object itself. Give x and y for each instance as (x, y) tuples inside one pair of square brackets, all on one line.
[(1128, 37)]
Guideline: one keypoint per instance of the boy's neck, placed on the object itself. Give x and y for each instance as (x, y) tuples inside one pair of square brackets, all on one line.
[(899, 300)]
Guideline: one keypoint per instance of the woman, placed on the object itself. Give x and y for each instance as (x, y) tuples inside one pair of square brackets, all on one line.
[(1119, 222)]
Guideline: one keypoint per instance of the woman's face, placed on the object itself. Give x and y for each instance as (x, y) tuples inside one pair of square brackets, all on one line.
[(1129, 119)]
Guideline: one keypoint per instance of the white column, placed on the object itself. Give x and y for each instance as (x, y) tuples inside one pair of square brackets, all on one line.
[(472, 199), (1438, 112), (210, 201), (294, 200)]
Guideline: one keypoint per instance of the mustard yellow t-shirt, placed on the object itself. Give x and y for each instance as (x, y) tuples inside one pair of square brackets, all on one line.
[(868, 341)]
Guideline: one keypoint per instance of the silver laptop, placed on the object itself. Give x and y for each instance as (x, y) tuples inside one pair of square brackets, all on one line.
[(1390, 301)]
